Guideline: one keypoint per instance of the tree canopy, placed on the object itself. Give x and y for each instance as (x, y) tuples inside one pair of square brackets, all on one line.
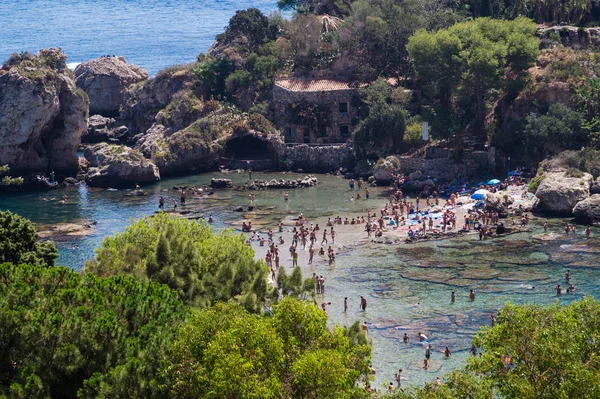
[(471, 58), (203, 267), (226, 352), (65, 334), (531, 352), (19, 242)]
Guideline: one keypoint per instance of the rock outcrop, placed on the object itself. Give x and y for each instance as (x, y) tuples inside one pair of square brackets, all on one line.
[(143, 101), (306, 181), (101, 129), (384, 169), (497, 202), (105, 81), (559, 191), (118, 166), (221, 183), (42, 114), (588, 210)]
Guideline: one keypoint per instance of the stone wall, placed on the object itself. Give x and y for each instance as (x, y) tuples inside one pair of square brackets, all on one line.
[(338, 121), (316, 158), (475, 163)]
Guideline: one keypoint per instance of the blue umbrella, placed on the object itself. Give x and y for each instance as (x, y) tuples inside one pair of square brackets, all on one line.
[(479, 194), (493, 182)]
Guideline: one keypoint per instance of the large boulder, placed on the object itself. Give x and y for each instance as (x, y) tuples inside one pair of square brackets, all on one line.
[(384, 170), (42, 114), (497, 202), (560, 190), (118, 166), (105, 81), (588, 210)]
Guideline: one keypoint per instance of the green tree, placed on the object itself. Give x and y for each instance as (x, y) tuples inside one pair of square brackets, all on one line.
[(558, 130), (531, 352), (472, 59), (211, 74), (381, 132), (8, 180), (19, 242), (66, 335), (201, 266), (226, 352)]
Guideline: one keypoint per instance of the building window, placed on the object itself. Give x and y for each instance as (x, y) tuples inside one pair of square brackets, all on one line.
[(306, 135), (343, 108), (344, 131), (322, 131), (290, 132)]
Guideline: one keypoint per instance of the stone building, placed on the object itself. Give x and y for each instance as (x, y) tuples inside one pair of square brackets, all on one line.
[(332, 99)]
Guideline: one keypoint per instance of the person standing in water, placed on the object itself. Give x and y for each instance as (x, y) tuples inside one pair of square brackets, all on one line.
[(286, 196), (161, 202), (182, 197), (471, 295), (345, 304), (363, 303), (453, 297)]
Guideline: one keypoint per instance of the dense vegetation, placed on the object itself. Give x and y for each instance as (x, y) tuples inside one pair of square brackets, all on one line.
[(60, 330), (226, 352), (531, 352), (66, 334), (476, 71)]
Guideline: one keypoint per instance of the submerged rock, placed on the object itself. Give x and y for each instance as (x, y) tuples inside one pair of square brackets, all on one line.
[(560, 191), (105, 81), (221, 183), (118, 166), (42, 114)]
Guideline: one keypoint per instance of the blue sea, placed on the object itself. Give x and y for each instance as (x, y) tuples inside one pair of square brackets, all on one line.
[(151, 33)]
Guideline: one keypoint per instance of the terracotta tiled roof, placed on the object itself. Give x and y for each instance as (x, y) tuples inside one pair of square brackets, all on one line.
[(299, 85)]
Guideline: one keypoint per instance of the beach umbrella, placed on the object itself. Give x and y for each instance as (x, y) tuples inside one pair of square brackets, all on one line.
[(493, 182), (479, 194)]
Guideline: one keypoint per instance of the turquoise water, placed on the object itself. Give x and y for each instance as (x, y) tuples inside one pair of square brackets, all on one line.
[(151, 33), (407, 286)]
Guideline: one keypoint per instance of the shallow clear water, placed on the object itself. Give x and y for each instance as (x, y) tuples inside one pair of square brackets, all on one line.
[(407, 286), (151, 33)]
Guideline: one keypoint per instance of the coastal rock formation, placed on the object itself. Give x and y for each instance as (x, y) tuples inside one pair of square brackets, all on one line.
[(42, 114), (142, 101), (117, 166), (496, 202), (317, 158), (307, 181), (105, 81), (559, 192), (588, 210), (191, 135), (221, 183), (384, 168), (101, 129)]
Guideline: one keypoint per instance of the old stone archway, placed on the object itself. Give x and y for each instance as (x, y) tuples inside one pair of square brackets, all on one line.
[(253, 151)]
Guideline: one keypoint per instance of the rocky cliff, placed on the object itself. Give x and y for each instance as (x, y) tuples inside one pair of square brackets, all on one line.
[(144, 100), (105, 81), (42, 114)]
